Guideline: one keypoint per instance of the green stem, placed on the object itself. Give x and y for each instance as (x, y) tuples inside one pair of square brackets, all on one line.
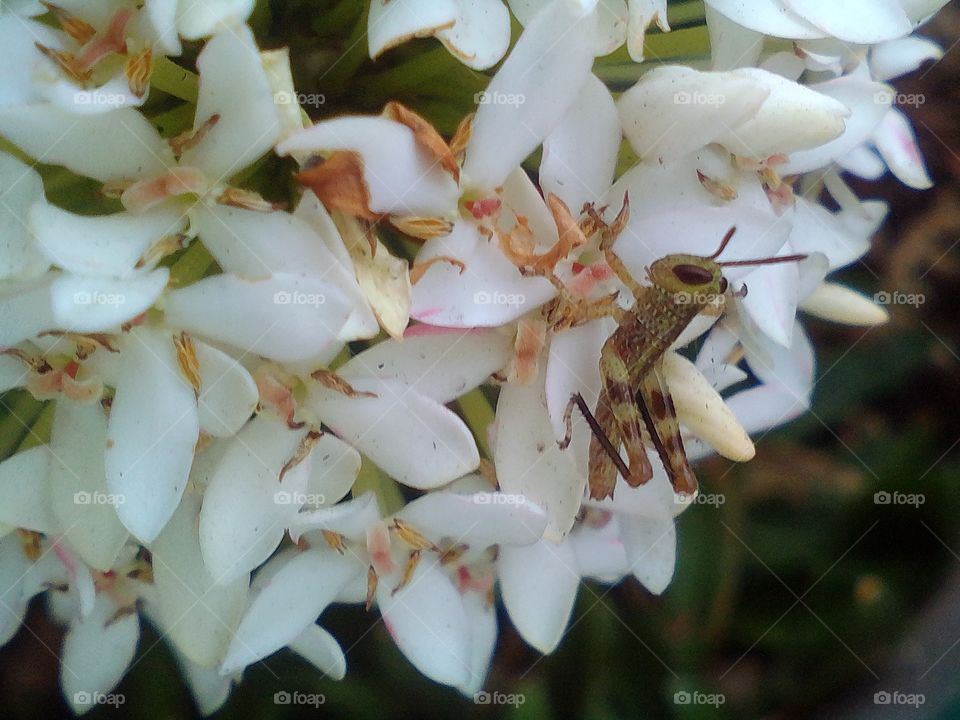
[(39, 429), (22, 411), (175, 80), (192, 265), (372, 479), (479, 414)]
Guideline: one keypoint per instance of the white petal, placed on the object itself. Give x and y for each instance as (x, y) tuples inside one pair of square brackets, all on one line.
[(22, 186), (93, 304), (651, 551), (321, 648), (393, 23), (27, 309), (539, 585), (528, 461), (233, 85), (838, 303), (350, 519), (210, 691), (151, 434), (789, 369), (533, 89), (490, 292), (198, 614), (899, 57), (483, 641), (25, 491), (580, 154), (116, 145), (642, 13), (480, 520), (574, 366), (414, 439), (297, 592), (427, 620), (480, 34), (600, 552), (897, 144), (246, 508), (772, 298), (285, 317), (441, 364), (815, 229), (96, 652), (334, 466), (81, 501), (228, 393), (858, 21), (14, 566), (731, 45), (200, 19), (402, 177), (770, 17), (103, 244)]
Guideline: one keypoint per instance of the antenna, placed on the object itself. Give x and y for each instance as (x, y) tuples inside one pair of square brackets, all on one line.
[(723, 243), (758, 261)]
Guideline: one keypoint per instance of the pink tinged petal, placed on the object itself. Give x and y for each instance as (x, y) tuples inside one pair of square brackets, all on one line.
[(868, 102), (732, 45), (539, 584), (21, 187), (521, 196), (402, 177), (651, 551), (580, 155), (770, 17), (479, 520), (25, 491), (394, 23), (483, 639), (234, 86), (103, 244), (198, 20), (197, 613), (528, 461), (675, 110), (81, 500), (246, 507), (897, 144), (441, 366), (299, 588), (480, 34), (350, 519), (322, 650), (428, 622), (542, 77), (96, 653), (856, 21), (93, 304), (228, 393), (412, 438), (117, 145), (151, 434), (901, 56), (490, 291), (334, 466), (793, 117), (285, 317), (14, 566), (772, 299)]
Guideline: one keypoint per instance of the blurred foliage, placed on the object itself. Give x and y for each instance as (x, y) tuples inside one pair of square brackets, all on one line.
[(787, 598)]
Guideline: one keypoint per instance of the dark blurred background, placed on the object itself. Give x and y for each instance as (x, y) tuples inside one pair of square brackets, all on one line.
[(800, 597)]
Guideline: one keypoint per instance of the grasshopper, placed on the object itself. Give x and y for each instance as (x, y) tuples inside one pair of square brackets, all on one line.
[(634, 395)]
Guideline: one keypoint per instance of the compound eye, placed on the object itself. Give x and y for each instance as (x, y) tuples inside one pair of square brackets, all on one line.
[(723, 285), (692, 274)]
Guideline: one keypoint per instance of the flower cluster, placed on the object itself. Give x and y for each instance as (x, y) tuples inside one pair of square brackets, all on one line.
[(214, 457)]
